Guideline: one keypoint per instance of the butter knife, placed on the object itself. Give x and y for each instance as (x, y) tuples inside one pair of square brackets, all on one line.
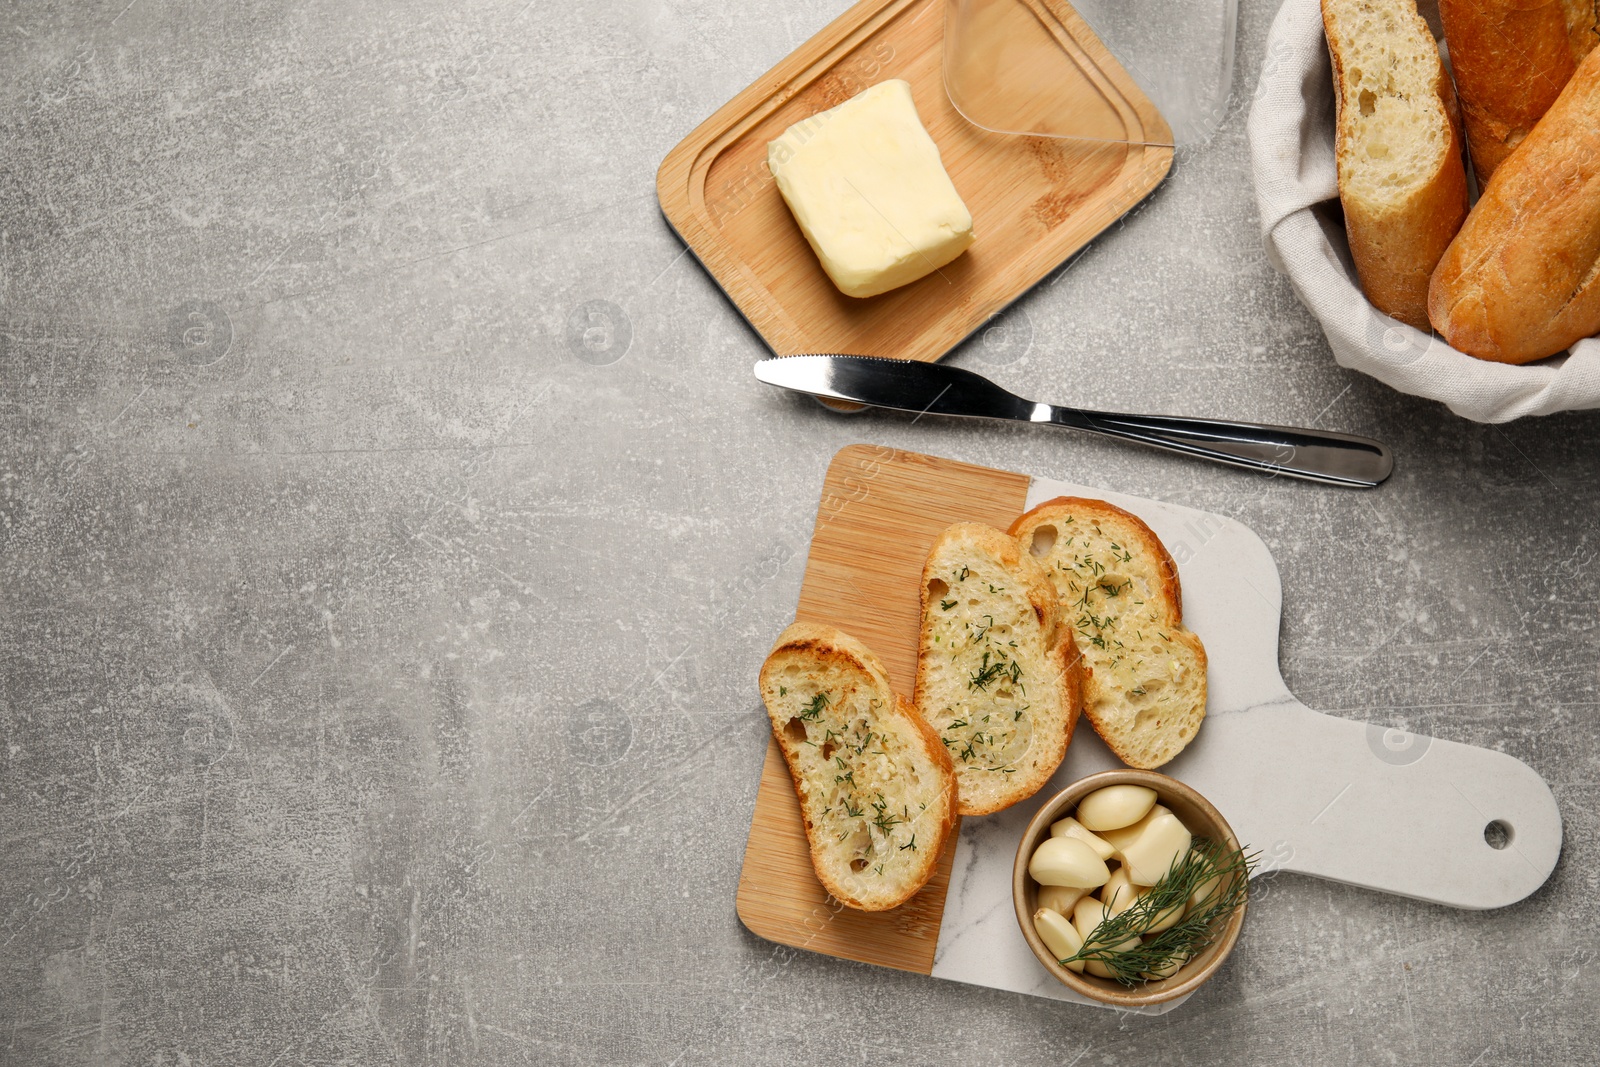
[(938, 389)]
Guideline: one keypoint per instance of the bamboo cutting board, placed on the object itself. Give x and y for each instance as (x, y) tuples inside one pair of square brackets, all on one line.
[(895, 504), (1034, 200), (1331, 797)]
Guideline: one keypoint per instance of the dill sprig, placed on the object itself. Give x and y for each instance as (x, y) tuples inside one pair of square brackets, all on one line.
[(987, 673), (1206, 860), (883, 820), (813, 711)]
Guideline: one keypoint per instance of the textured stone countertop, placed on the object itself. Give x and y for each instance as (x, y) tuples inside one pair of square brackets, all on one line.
[(376, 674)]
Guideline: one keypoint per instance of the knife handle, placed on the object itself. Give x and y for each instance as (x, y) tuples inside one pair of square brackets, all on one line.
[(1315, 455)]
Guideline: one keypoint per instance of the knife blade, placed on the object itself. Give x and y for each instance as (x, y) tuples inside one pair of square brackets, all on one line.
[(939, 389)]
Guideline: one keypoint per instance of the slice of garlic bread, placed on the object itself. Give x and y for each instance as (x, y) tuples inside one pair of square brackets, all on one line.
[(997, 672), (876, 788), (1144, 675)]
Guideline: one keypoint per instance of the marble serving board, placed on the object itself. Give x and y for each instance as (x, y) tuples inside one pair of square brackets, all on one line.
[(1316, 794)]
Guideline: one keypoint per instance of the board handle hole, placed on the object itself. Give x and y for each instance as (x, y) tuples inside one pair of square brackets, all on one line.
[(1497, 834)]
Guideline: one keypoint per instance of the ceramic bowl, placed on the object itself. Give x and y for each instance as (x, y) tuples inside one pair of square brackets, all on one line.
[(1198, 815)]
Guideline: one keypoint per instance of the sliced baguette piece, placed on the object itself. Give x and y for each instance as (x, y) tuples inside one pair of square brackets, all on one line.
[(1398, 147), (997, 673), (1521, 281), (876, 787), (1144, 675), (1511, 59)]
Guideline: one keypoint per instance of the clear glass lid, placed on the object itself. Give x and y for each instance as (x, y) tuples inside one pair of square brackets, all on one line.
[(1152, 72)]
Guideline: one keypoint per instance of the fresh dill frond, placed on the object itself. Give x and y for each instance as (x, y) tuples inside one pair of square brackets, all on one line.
[(1202, 924), (813, 710), (986, 673)]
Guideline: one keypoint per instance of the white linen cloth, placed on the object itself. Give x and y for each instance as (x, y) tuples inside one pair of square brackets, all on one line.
[(1291, 153)]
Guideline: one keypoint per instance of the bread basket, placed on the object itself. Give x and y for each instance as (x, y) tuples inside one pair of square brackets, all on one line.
[(1292, 162)]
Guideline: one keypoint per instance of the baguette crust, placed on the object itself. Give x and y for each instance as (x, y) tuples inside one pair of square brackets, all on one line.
[(1521, 281), (997, 672), (1511, 59), (1397, 230), (876, 787), (1582, 30), (1144, 675)]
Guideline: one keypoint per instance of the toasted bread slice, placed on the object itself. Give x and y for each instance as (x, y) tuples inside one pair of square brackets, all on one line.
[(876, 788), (1144, 675), (997, 672)]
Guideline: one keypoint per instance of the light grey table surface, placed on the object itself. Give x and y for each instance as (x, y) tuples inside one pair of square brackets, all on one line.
[(377, 675)]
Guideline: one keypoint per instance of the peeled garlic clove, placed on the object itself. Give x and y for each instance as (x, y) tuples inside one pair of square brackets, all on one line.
[(1069, 862), (1060, 898), (1163, 841), (1118, 894), (1098, 969), (1169, 918), (1118, 838), (1070, 827), (1166, 970), (1059, 936), (1115, 806), (1086, 916), (1206, 893)]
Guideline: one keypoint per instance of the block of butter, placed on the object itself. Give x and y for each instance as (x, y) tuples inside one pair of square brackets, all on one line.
[(865, 183)]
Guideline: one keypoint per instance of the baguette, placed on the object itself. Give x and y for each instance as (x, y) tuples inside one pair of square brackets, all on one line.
[(1521, 281), (1582, 32), (1511, 59), (1144, 677), (1401, 178), (876, 788), (997, 674)]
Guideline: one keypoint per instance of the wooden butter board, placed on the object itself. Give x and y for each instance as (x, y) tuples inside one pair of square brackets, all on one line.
[(1034, 200), (1316, 794)]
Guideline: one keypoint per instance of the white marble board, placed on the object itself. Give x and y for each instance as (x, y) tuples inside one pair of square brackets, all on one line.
[(1320, 795)]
